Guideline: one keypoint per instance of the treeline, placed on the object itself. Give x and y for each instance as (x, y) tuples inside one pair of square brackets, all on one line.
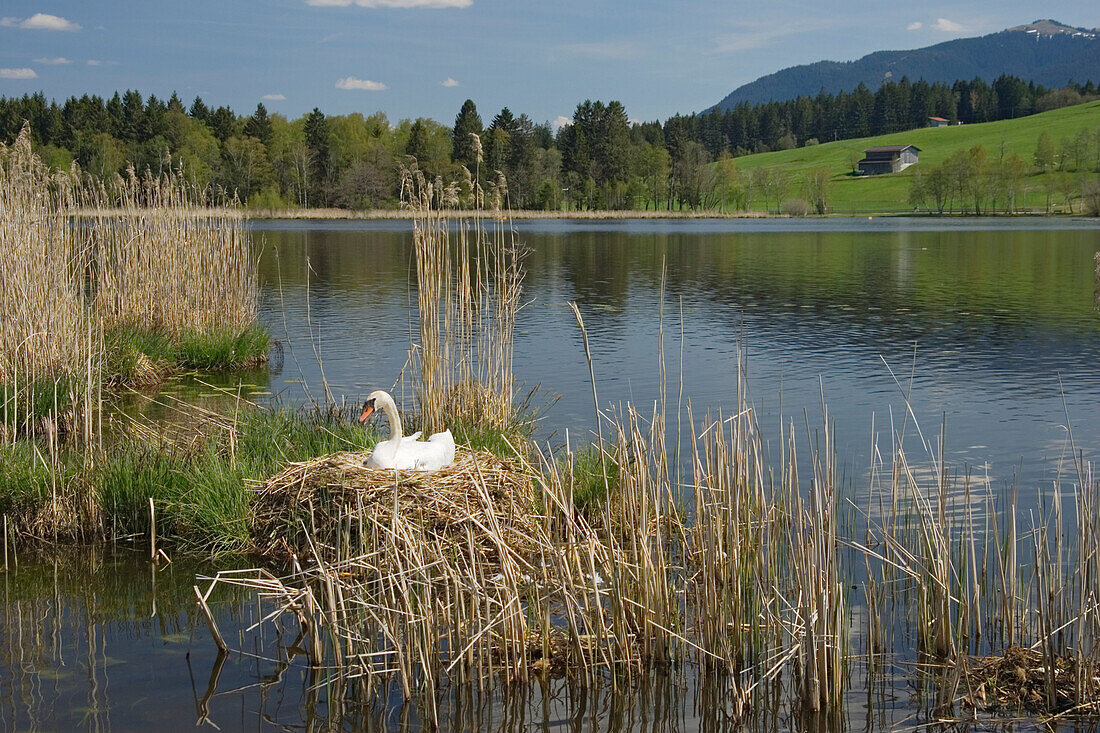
[(895, 107), (600, 160), (973, 181)]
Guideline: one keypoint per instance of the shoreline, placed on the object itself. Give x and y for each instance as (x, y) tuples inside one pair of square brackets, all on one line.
[(588, 215), (621, 214)]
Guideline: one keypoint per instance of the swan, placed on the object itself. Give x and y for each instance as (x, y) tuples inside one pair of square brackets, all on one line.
[(406, 452)]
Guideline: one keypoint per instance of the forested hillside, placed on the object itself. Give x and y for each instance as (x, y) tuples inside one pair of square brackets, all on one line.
[(1043, 52)]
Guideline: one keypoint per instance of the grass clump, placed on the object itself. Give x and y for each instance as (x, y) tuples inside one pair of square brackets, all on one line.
[(199, 484), (592, 476)]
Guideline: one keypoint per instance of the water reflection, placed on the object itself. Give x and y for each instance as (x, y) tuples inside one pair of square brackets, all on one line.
[(100, 640)]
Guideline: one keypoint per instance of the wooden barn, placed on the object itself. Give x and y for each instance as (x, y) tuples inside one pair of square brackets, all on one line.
[(887, 159)]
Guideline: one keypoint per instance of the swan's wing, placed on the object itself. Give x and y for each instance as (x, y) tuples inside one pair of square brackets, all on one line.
[(438, 452), (412, 438)]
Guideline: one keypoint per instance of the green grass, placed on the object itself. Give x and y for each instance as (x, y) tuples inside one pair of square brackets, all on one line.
[(44, 398), (201, 492), (890, 193), (139, 356), (590, 489)]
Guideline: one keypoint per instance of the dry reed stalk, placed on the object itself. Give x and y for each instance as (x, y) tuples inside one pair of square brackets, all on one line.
[(469, 286), (47, 336), (165, 262)]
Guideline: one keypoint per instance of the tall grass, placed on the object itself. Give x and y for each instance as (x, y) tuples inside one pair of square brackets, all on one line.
[(49, 338), (164, 262), (469, 276), (115, 281)]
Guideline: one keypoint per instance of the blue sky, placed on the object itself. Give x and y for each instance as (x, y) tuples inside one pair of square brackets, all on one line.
[(411, 58)]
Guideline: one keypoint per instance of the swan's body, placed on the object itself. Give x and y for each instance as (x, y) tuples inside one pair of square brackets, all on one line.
[(406, 452)]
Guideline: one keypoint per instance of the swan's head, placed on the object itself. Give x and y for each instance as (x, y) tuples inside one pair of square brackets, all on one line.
[(370, 406)]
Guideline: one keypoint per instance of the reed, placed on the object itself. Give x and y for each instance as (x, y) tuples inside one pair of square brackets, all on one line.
[(49, 339), (469, 276)]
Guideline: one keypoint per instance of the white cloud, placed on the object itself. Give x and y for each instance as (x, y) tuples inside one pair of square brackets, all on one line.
[(914, 26), (947, 26), (58, 61), (350, 82), (94, 62), (560, 122), (18, 74), (41, 22), (273, 97), (448, 82), (391, 3)]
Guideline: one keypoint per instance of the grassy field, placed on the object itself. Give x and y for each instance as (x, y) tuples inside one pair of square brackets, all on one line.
[(890, 193)]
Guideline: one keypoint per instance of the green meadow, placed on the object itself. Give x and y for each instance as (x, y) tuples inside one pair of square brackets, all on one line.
[(852, 194)]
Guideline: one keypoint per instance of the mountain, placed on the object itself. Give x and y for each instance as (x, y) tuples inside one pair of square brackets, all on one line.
[(1046, 52)]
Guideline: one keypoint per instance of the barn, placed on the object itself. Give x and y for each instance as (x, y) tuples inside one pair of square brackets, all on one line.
[(887, 159)]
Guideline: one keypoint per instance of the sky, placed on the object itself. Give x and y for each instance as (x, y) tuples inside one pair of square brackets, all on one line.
[(422, 58)]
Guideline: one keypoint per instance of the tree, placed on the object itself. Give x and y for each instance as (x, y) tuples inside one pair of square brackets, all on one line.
[(817, 189), (430, 143), (464, 148), (320, 164), (199, 110), (223, 123), (245, 168), (369, 182), (653, 164), (1044, 152), (259, 125)]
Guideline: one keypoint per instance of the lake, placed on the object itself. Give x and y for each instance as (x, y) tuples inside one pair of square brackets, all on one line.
[(991, 325)]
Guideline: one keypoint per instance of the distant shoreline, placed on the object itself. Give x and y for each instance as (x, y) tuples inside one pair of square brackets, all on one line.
[(520, 214), (591, 215)]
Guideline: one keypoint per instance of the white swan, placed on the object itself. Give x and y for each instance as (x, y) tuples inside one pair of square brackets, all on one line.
[(406, 452)]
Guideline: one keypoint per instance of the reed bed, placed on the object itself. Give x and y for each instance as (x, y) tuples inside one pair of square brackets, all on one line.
[(49, 340), (109, 282)]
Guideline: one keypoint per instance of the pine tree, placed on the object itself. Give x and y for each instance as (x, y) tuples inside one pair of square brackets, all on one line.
[(320, 163), (467, 123), (259, 125), (199, 110)]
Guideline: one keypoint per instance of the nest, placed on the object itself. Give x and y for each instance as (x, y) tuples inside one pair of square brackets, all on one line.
[(1019, 679), (334, 507)]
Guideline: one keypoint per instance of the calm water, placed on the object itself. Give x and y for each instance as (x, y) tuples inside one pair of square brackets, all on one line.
[(995, 322)]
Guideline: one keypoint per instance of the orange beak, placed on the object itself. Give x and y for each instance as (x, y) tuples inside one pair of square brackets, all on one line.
[(366, 414)]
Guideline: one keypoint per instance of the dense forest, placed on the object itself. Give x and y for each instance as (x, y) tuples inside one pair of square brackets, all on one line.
[(600, 160)]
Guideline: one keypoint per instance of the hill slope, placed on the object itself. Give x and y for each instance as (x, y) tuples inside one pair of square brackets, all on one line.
[(890, 193), (1045, 52)]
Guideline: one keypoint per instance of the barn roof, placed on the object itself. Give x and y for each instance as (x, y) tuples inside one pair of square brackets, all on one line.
[(890, 148)]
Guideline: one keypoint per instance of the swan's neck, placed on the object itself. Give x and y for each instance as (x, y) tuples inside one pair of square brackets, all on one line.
[(390, 409)]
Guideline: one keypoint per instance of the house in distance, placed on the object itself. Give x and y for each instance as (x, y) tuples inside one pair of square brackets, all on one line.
[(887, 159), (937, 122)]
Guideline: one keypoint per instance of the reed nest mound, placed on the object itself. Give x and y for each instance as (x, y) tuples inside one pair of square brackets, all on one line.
[(1018, 679), (475, 506)]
